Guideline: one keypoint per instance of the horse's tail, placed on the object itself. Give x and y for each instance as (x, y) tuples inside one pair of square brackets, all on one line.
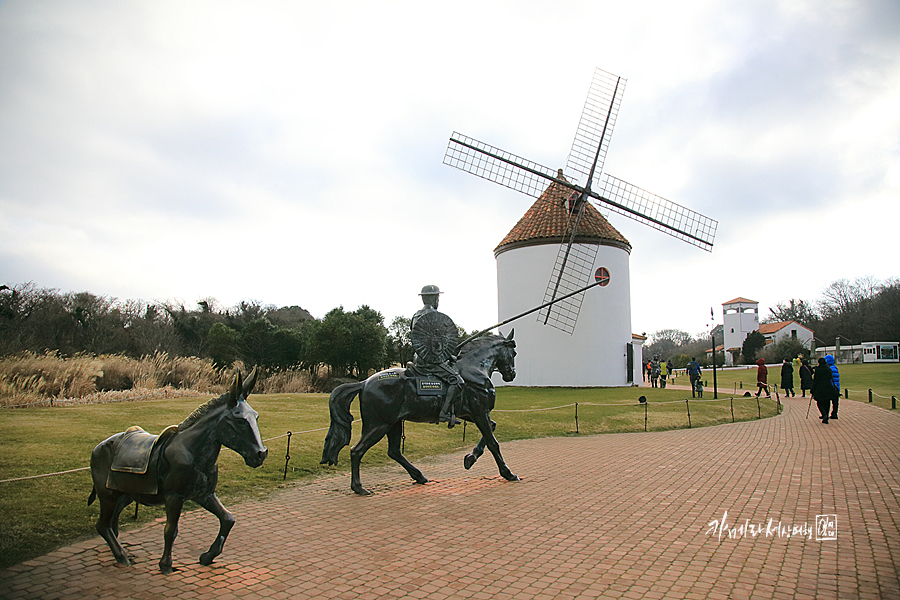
[(341, 419), (93, 496)]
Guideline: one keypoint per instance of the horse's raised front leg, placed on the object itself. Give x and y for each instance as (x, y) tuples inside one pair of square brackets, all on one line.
[(395, 436), (477, 451), (107, 528), (174, 504), (226, 522), (484, 425), (370, 436)]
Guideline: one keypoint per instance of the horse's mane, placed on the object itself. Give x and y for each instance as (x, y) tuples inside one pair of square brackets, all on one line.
[(203, 410), (479, 343)]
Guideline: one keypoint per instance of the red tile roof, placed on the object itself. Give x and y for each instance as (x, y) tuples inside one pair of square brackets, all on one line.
[(741, 300), (769, 328), (546, 222)]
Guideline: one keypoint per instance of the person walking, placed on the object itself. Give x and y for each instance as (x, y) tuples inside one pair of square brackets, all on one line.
[(787, 379), (693, 371), (663, 373), (823, 391), (762, 375), (836, 382), (806, 376)]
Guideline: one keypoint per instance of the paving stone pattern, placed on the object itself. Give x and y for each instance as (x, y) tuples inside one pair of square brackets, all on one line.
[(611, 516)]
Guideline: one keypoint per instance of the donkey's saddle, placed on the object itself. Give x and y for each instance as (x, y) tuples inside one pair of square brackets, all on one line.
[(131, 460)]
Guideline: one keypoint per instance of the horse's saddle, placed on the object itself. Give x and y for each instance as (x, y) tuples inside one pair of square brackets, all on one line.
[(131, 457)]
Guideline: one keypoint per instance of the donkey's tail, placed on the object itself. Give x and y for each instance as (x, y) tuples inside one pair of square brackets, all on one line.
[(341, 419), (93, 496)]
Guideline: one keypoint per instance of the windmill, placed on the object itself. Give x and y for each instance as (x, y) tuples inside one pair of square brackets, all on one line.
[(574, 263)]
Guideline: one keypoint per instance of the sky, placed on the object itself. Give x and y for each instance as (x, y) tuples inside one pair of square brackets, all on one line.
[(291, 152)]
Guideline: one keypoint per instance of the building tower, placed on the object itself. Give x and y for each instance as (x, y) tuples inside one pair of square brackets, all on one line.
[(601, 350), (741, 316)]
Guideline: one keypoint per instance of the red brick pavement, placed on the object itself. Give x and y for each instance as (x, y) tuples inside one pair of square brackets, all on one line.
[(612, 516)]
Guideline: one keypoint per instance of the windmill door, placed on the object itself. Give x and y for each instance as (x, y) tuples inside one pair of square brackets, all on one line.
[(629, 353)]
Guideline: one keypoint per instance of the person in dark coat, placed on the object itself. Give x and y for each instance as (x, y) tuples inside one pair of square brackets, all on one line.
[(806, 376), (823, 390), (787, 378), (762, 374)]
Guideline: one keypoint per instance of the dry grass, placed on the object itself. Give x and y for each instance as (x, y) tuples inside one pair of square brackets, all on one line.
[(39, 379)]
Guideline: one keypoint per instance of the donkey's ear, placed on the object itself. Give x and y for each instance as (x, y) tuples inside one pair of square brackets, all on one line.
[(250, 382), (235, 392)]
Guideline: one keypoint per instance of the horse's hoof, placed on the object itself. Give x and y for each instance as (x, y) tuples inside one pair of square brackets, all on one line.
[(512, 477), (206, 558), (420, 480), (469, 460), (166, 569), (362, 491)]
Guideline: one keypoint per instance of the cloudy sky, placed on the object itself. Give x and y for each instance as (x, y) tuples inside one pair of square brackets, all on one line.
[(291, 152)]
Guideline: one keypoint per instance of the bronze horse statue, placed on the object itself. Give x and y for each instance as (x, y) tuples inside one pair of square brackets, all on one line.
[(177, 465), (390, 397)]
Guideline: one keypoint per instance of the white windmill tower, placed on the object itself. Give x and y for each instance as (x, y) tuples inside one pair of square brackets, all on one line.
[(563, 234)]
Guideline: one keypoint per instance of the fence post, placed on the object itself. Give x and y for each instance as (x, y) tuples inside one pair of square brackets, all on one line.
[(464, 432), (870, 396), (758, 408), (287, 455), (645, 415), (732, 410), (576, 417), (846, 393), (688, 405), (893, 402)]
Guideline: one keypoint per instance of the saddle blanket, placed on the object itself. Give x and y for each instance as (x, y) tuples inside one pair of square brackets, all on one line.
[(131, 470), (134, 447)]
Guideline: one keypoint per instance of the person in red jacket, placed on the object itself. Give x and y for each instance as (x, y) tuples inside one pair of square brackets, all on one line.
[(762, 374)]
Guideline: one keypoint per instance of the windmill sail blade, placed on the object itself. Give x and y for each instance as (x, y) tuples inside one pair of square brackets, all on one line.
[(567, 278), (596, 126), (661, 214), (499, 166)]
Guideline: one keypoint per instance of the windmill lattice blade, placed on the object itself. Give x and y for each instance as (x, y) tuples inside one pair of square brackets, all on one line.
[(576, 274), (499, 166), (657, 212), (596, 125)]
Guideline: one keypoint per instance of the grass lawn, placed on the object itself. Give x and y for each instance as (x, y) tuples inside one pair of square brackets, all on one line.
[(38, 515)]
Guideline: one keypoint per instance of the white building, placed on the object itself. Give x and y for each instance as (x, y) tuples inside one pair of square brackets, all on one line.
[(881, 352), (601, 351), (741, 316), (775, 332)]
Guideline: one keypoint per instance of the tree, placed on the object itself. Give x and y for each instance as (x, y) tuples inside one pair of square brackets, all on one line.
[(400, 348), (794, 310), (223, 345), (752, 345), (787, 348)]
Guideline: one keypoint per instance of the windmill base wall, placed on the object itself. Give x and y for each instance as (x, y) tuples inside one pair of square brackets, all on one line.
[(594, 355)]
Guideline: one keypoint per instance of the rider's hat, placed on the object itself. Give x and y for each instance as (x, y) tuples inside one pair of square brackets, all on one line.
[(430, 290)]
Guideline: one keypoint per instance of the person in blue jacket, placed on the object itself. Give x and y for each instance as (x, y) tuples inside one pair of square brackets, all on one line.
[(836, 378)]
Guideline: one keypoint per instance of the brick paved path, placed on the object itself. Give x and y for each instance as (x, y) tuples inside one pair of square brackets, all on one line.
[(613, 516)]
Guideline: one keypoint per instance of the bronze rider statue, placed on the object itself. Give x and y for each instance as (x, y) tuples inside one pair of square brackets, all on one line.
[(434, 338)]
